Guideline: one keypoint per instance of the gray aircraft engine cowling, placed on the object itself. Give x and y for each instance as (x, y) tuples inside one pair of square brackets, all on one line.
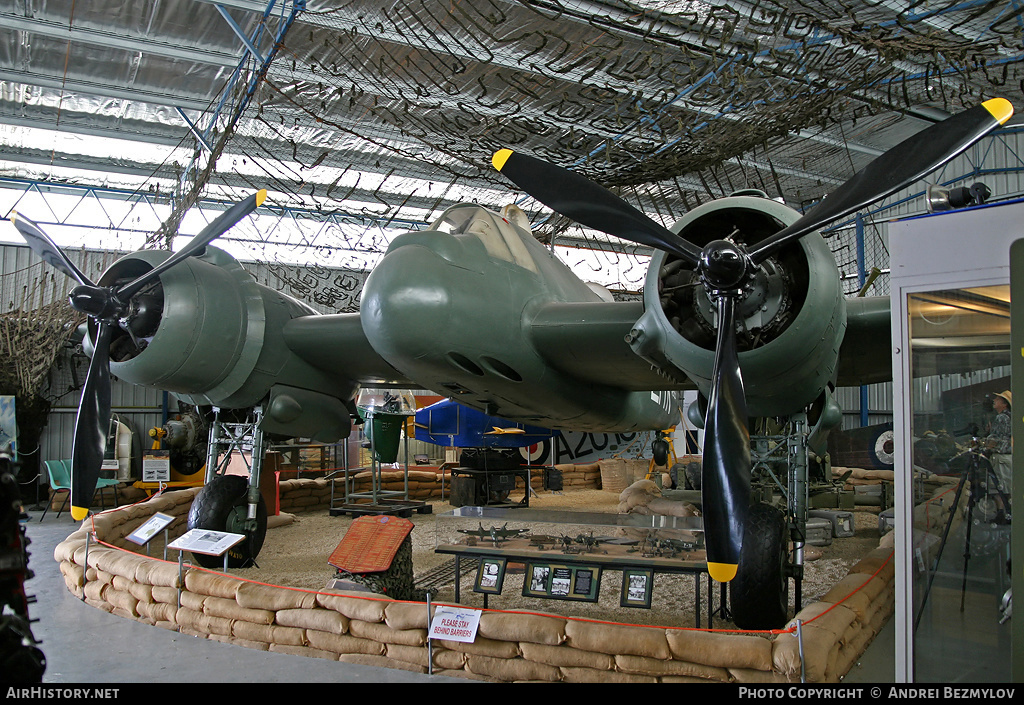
[(209, 333), (791, 320)]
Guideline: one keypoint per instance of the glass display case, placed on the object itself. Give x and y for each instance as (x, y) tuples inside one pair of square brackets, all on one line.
[(565, 553), (953, 372)]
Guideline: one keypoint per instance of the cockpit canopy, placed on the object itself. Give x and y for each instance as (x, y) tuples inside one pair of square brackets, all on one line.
[(501, 239)]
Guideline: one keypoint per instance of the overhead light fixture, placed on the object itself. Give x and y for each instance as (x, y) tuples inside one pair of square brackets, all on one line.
[(947, 199)]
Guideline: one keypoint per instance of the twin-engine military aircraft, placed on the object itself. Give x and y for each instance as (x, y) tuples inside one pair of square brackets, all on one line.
[(742, 301)]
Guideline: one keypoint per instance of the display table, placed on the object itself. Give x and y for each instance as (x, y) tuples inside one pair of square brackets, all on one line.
[(565, 553)]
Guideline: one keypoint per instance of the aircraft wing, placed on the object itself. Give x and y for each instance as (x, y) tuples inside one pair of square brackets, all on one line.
[(865, 356), (587, 341), (337, 342)]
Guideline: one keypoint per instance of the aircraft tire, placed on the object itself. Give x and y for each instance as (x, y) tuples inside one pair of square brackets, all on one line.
[(759, 594), (221, 506), (659, 449)]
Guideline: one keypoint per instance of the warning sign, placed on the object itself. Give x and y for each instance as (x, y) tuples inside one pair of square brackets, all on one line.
[(454, 624)]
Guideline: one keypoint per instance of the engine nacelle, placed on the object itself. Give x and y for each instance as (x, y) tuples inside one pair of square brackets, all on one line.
[(790, 320), (209, 333)]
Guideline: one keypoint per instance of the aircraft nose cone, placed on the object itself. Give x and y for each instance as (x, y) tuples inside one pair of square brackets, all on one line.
[(406, 302)]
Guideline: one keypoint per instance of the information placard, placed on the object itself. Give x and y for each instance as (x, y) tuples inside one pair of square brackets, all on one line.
[(156, 466), (637, 587), (156, 523), (370, 544), (206, 541)]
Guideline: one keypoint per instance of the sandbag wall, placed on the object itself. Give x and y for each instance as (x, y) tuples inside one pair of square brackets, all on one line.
[(509, 647), (932, 512), (580, 477), (619, 473), (307, 494), (838, 627)]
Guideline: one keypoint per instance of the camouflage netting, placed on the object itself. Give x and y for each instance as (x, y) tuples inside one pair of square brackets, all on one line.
[(375, 116), (35, 324)]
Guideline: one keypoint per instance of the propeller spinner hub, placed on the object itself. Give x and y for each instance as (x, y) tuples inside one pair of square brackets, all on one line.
[(95, 301), (723, 265)]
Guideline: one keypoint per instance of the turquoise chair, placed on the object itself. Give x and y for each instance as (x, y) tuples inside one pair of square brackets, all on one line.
[(60, 481)]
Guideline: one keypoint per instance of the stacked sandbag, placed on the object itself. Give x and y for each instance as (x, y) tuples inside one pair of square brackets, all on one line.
[(422, 484), (860, 477), (638, 495), (510, 647), (838, 628), (304, 494), (103, 497), (585, 476), (619, 473), (644, 497), (931, 516)]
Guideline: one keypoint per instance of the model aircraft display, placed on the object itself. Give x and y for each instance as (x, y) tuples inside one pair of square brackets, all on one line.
[(742, 301), (495, 534)]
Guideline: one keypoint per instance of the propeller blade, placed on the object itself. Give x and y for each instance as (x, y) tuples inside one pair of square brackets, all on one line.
[(92, 426), (576, 197), (210, 233), (40, 243), (899, 167), (725, 469)]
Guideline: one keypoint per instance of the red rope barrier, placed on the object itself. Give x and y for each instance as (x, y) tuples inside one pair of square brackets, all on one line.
[(788, 630)]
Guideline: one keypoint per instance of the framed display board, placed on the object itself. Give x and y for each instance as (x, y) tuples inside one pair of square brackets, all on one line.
[(637, 587), (580, 583), (490, 576)]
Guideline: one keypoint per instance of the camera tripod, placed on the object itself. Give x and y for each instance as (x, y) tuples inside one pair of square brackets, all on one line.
[(985, 494)]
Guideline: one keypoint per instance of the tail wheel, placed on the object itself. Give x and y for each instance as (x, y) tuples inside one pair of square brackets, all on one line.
[(759, 594), (222, 505)]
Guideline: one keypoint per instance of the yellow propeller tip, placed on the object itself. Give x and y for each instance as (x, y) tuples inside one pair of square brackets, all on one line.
[(722, 572), (1000, 109), (261, 196), (500, 157), (79, 513)]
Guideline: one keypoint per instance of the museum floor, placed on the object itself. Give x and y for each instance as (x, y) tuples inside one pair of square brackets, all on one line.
[(85, 645)]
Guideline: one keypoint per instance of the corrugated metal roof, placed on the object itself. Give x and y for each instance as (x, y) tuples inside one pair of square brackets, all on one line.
[(387, 112)]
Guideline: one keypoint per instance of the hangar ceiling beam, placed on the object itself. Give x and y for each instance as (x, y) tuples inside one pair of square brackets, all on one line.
[(170, 173), (341, 217), (105, 90), (116, 40)]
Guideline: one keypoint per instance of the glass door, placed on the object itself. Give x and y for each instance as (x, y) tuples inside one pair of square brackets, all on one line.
[(960, 417)]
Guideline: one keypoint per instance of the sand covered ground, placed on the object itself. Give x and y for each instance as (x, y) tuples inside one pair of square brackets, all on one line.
[(297, 548)]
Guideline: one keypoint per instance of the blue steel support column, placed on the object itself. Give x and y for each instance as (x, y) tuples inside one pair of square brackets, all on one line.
[(288, 12), (861, 278)]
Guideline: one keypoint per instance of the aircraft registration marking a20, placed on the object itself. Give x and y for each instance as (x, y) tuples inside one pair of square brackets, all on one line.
[(742, 302)]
